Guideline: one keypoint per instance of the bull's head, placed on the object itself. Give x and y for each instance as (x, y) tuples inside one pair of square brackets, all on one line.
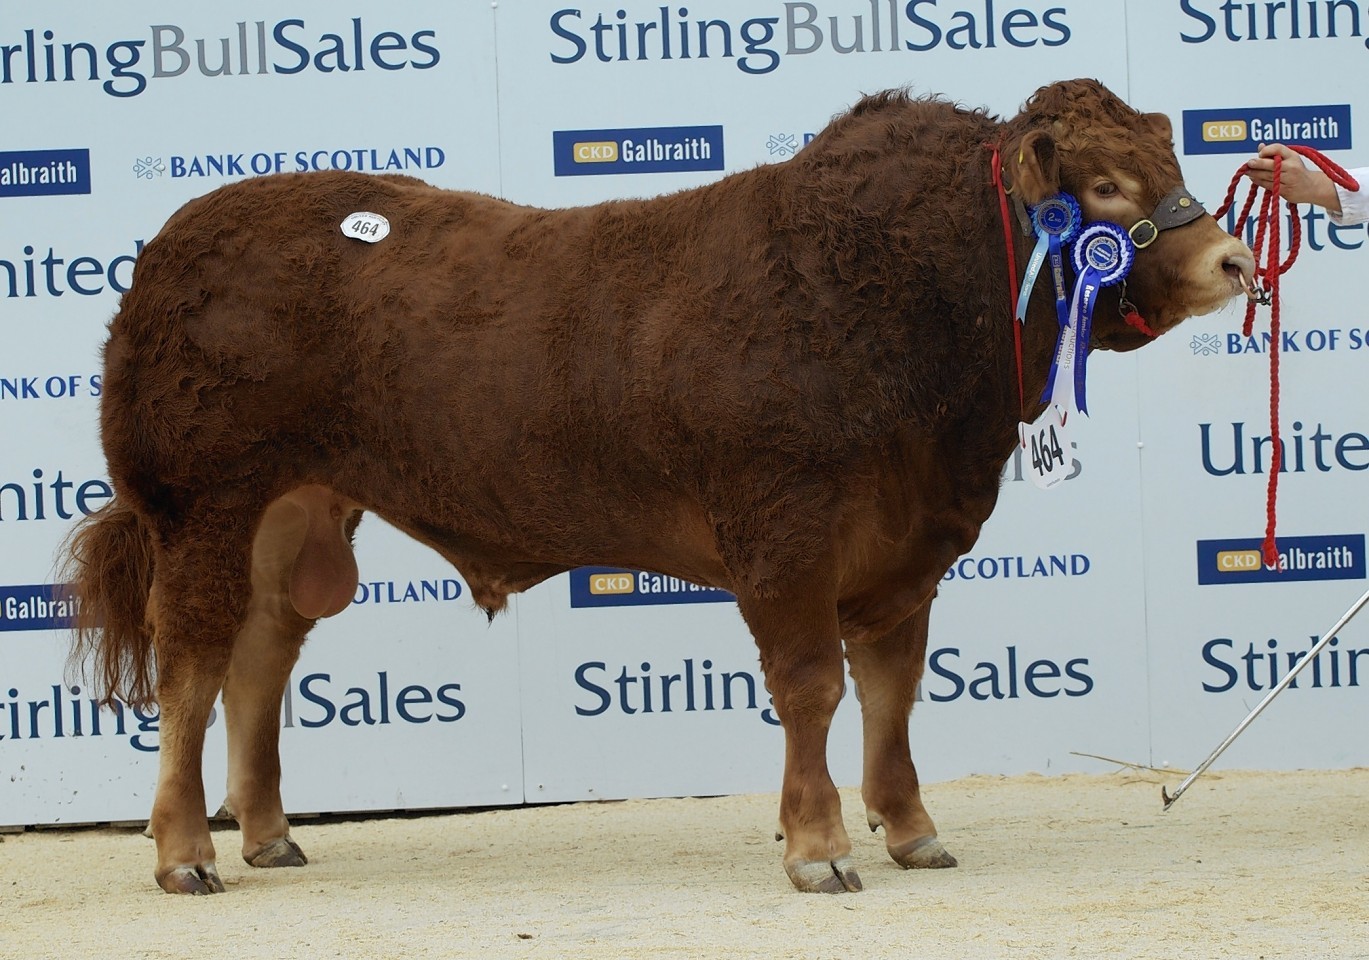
[(1078, 137)]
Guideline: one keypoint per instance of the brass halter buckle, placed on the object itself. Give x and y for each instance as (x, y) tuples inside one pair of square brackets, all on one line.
[(1143, 233)]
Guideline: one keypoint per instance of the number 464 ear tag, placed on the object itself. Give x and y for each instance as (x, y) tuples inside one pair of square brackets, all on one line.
[(1046, 448), (363, 225)]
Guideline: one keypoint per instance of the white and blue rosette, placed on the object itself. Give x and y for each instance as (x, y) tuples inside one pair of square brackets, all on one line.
[(1056, 221), (1103, 255)]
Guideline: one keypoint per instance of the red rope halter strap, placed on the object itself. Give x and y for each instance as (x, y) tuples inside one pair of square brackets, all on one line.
[(997, 167), (1267, 276)]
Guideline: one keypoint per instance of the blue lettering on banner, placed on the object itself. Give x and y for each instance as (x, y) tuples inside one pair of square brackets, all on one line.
[(44, 173), (1243, 129), (1309, 340), (757, 45), (1019, 567), (1300, 452), (587, 153), (1335, 557), (48, 275), (322, 702), (1011, 677), (262, 162), (615, 587), (59, 386), (692, 687), (124, 67), (1255, 669), (51, 499), (1333, 237), (698, 686), (406, 591), (60, 712), (315, 701), (1269, 20), (38, 606)]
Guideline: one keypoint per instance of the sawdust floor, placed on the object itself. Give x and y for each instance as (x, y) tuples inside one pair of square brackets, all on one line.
[(1247, 865)]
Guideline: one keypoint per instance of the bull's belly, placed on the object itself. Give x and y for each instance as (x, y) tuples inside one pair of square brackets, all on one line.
[(503, 547)]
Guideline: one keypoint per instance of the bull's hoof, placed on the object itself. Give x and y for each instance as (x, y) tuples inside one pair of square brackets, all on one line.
[(199, 880), (283, 852), (923, 853), (822, 876)]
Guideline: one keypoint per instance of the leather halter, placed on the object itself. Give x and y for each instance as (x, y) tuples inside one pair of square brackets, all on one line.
[(1176, 209)]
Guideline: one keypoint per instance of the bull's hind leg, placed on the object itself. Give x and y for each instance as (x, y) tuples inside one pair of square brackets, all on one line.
[(197, 604), (263, 654), (887, 672), (301, 547), (800, 647)]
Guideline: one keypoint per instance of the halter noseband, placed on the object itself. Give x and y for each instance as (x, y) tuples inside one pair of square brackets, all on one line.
[(1177, 208)]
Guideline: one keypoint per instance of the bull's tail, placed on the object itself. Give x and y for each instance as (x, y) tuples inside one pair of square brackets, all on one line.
[(109, 565)]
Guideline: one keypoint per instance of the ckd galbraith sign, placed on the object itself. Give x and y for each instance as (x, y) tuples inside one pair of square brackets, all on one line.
[(1124, 613)]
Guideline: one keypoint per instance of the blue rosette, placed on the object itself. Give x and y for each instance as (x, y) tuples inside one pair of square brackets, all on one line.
[(1055, 221), (1105, 249), (1103, 255)]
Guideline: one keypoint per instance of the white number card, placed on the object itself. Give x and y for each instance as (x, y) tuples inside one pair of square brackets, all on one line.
[(1046, 448), (370, 227)]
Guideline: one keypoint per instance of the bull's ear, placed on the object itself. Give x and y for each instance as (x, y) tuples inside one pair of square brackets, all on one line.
[(1038, 168), (1160, 124)]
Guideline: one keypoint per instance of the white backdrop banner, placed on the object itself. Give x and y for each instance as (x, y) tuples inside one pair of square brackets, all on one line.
[(1124, 614)]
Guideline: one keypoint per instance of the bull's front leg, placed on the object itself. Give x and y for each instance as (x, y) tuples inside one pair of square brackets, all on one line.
[(887, 672), (800, 646)]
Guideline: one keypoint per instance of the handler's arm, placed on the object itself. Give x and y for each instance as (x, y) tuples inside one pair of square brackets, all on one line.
[(1300, 183)]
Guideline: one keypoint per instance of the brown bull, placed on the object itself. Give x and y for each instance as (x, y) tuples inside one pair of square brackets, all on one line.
[(805, 372)]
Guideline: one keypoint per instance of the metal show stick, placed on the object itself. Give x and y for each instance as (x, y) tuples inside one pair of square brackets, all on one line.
[(1288, 678)]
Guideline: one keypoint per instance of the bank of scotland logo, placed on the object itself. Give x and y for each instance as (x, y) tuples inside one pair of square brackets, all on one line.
[(1206, 345), (782, 145), (146, 168)]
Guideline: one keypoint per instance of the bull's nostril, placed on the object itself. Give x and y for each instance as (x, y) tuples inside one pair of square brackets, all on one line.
[(1239, 267)]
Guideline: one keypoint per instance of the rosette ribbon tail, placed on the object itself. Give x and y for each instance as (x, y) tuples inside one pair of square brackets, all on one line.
[(1085, 299), (1103, 256), (1055, 221)]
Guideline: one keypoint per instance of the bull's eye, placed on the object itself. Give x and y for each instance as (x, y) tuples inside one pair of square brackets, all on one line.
[(1105, 188)]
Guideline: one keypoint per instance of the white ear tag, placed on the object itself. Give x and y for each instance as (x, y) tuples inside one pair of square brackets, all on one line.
[(370, 227)]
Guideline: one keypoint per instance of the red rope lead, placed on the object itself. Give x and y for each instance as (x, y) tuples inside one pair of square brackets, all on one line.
[(1268, 277), (1272, 272)]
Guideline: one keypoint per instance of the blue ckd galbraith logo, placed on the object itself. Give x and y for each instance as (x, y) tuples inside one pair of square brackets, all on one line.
[(588, 153), (38, 606), (1243, 129), (615, 587), (1335, 557), (44, 173)]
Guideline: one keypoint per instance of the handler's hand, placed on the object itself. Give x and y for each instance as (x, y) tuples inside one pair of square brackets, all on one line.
[(1298, 183)]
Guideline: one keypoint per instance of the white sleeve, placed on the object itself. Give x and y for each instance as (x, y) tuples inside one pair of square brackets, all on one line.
[(1354, 204)]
